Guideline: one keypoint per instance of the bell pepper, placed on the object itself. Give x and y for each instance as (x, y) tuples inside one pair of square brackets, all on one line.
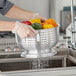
[(51, 21), (35, 21), (47, 26), (27, 22), (36, 26)]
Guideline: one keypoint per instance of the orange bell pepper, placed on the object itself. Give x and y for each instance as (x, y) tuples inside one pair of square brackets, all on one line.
[(51, 21)]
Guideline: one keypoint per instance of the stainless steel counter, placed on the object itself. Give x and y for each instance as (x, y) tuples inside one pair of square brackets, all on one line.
[(71, 71)]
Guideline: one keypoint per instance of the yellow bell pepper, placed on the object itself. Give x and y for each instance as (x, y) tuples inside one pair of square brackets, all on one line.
[(35, 21), (47, 26)]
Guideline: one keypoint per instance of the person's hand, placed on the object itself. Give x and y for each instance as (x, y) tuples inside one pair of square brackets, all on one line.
[(39, 17), (24, 30)]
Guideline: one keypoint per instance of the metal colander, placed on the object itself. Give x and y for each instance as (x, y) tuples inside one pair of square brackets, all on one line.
[(40, 45)]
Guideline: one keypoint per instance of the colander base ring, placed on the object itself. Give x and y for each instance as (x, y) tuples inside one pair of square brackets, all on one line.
[(51, 53)]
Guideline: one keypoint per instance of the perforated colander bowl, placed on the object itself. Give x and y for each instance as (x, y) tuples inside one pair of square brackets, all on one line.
[(40, 45)]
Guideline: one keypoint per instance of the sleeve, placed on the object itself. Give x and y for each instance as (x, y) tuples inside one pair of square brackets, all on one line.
[(2, 2), (5, 6)]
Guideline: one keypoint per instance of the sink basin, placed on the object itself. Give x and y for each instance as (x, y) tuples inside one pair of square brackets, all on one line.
[(27, 65), (73, 53), (10, 56), (14, 62), (13, 66)]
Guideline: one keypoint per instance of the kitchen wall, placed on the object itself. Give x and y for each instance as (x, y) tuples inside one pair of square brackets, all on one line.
[(41, 6), (56, 6)]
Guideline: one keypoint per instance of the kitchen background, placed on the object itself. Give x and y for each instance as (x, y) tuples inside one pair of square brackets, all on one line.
[(60, 11)]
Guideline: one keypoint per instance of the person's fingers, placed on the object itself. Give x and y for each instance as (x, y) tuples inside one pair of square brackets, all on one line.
[(26, 31), (30, 35), (40, 17), (43, 19), (34, 31), (22, 35)]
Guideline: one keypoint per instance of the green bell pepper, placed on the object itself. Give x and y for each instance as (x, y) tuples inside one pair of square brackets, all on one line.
[(37, 26)]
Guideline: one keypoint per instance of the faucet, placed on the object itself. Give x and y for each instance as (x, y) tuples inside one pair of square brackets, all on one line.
[(72, 43)]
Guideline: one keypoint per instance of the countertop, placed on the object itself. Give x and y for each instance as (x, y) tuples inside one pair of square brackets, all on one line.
[(70, 71)]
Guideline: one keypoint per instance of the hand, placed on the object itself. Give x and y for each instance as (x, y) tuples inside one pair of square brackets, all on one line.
[(24, 30), (39, 17)]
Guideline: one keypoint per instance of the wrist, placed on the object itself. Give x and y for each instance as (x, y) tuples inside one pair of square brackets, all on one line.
[(15, 27), (13, 24)]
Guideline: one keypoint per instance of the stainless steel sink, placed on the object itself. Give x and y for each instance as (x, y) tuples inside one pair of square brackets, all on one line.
[(14, 62), (10, 56), (26, 65), (73, 53)]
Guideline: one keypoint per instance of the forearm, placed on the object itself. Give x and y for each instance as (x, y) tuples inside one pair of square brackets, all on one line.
[(6, 26), (18, 13)]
